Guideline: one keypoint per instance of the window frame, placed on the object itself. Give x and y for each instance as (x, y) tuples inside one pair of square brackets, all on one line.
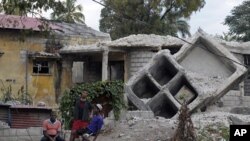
[(45, 67)]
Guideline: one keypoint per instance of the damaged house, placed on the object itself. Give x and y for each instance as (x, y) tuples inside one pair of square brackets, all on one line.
[(45, 67), (30, 62), (133, 53)]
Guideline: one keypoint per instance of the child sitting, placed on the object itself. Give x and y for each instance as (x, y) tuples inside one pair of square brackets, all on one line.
[(96, 123)]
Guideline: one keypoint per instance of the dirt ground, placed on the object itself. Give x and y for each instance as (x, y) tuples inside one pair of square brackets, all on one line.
[(210, 125)]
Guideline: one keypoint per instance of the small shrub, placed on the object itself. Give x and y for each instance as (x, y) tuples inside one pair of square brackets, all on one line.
[(111, 89), (212, 132)]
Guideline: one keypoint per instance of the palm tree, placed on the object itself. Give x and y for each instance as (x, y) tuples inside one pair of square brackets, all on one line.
[(69, 13), (182, 27)]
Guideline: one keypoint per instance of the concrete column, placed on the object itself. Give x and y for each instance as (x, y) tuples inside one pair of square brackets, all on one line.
[(66, 80), (105, 65), (126, 67)]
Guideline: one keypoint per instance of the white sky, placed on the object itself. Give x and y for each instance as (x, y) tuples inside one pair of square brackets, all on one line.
[(210, 18)]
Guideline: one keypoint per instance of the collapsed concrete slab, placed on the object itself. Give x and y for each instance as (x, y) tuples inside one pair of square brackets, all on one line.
[(210, 67), (199, 74), (158, 86)]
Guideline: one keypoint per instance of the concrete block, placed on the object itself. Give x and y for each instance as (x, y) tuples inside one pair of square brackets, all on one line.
[(194, 73), (229, 103), (144, 54), (141, 114), (36, 138), (22, 132), (11, 139), (13, 132), (133, 64), (35, 131), (24, 138), (6, 132), (139, 54)]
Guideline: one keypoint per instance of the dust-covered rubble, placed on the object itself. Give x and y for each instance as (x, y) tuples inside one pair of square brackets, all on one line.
[(138, 128)]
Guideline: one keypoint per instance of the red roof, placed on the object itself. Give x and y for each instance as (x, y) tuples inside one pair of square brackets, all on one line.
[(22, 22)]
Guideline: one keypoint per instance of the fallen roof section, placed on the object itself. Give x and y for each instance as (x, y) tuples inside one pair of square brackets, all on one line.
[(167, 81), (82, 48), (144, 40), (233, 46)]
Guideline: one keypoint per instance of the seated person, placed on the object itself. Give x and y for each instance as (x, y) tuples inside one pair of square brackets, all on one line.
[(96, 123), (51, 128)]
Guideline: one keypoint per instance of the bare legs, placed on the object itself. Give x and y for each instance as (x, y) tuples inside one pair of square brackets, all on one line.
[(72, 135)]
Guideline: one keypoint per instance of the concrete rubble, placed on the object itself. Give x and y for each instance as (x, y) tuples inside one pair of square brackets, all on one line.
[(199, 74)]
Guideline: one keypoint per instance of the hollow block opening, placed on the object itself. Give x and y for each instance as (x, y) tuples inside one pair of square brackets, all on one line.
[(183, 91), (131, 106), (163, 107), (163, 71), (145, 88)]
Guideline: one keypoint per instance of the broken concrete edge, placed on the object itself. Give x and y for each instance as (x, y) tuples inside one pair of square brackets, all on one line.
[(201, 35), (235, 78), (146, 40), (150, 77), (145, 72)]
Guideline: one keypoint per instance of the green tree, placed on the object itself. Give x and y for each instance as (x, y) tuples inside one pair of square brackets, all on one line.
[(70, 13), (23, 7), (239, 22), (164, 17), (10, 7)]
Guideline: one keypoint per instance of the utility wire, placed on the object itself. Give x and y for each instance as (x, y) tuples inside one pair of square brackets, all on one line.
[(134, 19), (128, 17)]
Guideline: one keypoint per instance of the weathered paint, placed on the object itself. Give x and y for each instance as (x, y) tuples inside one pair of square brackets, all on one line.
[(13, 67), (13, 70)]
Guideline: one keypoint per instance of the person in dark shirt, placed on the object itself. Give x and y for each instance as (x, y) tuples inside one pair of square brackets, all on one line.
[(94, 128), (82, 112)]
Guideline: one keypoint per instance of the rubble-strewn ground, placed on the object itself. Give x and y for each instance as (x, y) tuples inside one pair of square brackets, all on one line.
[(212, 125)]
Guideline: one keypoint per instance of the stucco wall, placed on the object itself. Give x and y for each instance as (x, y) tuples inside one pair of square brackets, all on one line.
[(14, 72), (13, 67)]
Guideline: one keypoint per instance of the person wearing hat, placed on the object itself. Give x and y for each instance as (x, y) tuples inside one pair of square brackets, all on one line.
[(96, 123), (52, 128)]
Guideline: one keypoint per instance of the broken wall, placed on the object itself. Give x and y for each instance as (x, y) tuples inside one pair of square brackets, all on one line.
[(208, 73), (234, 97)]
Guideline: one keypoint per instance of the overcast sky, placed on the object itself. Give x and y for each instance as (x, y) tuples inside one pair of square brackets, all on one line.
[(210, 18)]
